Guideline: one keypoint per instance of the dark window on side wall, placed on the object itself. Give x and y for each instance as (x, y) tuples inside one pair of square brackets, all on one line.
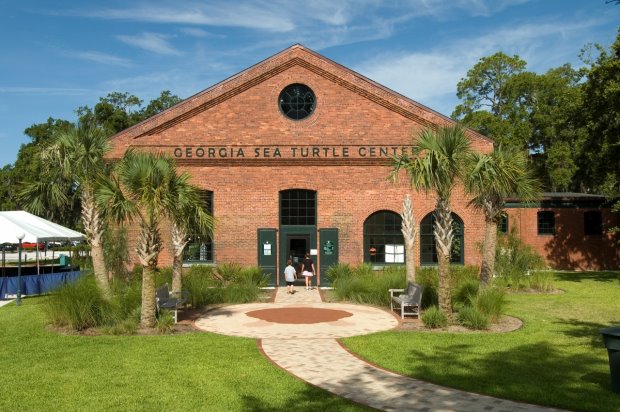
[(383, 239), (503, 224), (593, 223), (298, 207), (199, 249), (546, 223), (428, 249)]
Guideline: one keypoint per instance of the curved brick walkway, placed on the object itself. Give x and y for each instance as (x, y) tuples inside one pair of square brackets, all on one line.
[(317, 358)]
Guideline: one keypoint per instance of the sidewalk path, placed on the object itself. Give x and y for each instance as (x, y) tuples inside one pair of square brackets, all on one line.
[(329, 366)]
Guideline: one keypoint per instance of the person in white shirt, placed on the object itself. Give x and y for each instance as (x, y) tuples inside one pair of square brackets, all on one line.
[(290, 274)]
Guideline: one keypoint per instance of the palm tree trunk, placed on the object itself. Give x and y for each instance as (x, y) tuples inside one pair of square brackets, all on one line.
[(443, 240), (148, 249), (93, 226), (147, 314), (178, 245), (487, 269), (410, 231)]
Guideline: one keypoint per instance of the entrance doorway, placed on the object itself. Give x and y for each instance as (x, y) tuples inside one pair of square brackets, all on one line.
[(296, 248)]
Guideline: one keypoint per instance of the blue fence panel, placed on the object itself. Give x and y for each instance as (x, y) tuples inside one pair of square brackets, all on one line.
[(36, 284)]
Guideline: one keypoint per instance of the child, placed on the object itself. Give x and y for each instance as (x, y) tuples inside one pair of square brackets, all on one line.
[(289, 275)]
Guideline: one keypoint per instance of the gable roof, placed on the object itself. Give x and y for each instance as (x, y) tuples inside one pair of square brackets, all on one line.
[(279, 62)]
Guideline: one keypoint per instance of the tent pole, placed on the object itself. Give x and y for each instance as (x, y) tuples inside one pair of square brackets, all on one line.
[(53, 250), (38, 272)]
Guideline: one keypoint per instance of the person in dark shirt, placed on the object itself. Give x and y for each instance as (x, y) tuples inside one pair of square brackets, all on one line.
[(307, 271)]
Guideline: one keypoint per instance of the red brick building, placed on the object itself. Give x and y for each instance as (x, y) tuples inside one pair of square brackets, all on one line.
[(293, 156), (570, 230)]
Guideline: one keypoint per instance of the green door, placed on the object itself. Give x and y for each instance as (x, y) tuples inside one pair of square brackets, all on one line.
[(268, 254), (328, 249), (295, 242)]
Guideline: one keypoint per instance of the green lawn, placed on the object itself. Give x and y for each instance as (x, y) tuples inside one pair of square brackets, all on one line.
[(42, 370), (558, 358)]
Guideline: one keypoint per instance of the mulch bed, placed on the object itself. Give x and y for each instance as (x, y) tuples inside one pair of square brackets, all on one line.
[(505, 324)]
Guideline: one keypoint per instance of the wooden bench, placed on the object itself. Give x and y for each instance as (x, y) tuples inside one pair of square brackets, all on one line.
[(407, 301), (166, 300)]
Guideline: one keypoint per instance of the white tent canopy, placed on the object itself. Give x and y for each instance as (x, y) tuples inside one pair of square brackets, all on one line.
[(35, 229)]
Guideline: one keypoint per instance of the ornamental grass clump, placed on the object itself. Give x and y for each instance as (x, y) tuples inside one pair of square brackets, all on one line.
[(434, 318), (362, 284), (491, 301), (198, 280), (514, 261), (164, 322), (541, 281), (471, 317), (80, 305)]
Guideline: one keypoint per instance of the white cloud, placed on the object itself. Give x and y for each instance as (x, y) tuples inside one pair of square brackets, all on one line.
[(154, 42), (196, 32), (101, 58), (430, 77), (48, 91)]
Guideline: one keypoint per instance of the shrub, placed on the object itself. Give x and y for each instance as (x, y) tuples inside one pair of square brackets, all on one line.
[(115, 251), (80, 305), (466, 292), (364, 285), (434, 318), (252, 276), (472, 318), (541, 281), (127, 326), (338, 271), (491, 301), (514, 260), (228, 272), (197, 281), (165, 321), (427, 277), (126, 295)]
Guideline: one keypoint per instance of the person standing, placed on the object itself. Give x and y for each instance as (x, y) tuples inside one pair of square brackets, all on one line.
[(289, 276), (307, 270)]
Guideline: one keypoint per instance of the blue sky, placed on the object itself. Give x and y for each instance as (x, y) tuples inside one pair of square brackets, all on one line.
[(57, 56)]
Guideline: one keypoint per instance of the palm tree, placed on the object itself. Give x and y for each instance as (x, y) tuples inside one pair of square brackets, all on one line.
[(148, 187), (75, 156), (438, 162), (491, 178), (190, 216)]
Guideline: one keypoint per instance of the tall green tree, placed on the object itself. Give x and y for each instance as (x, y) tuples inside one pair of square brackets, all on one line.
[(601, 117), (438, 162), (119, 110), (491, 178), (76, 156), (490, 99)]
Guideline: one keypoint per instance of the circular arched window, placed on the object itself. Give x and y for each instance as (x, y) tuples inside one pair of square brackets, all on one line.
[(297, 101)]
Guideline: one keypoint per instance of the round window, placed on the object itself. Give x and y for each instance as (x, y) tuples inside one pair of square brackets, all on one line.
[(297, 101)]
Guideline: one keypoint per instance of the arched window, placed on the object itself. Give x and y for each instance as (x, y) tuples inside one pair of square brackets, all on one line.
[(383, 240), (298, 207), (428, 250)]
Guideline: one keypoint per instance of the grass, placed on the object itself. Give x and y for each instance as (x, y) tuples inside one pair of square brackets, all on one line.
[(557, 359), (43, 370)]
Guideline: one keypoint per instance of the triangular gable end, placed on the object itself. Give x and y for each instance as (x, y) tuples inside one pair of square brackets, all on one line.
[(284, 60)]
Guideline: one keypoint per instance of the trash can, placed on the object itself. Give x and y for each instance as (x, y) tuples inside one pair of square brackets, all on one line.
[(611, 336), (63, 260)]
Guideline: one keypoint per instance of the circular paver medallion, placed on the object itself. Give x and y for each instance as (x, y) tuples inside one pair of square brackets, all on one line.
[(297, 315)]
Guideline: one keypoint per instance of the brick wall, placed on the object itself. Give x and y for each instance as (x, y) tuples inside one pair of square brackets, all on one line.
[(246, 190), (569, 247)]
